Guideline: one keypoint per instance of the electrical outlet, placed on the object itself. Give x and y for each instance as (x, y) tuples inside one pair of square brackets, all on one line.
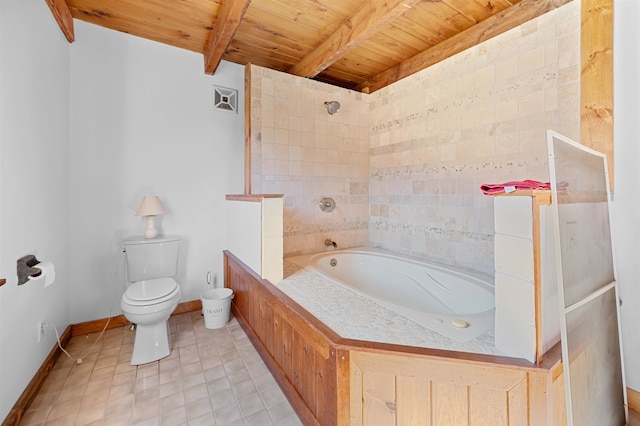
[(41, 328)]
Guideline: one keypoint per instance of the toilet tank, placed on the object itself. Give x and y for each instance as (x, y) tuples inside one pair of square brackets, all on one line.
[(149, 258)]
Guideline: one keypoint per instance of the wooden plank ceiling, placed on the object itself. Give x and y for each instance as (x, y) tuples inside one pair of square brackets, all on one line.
[(357, 44)]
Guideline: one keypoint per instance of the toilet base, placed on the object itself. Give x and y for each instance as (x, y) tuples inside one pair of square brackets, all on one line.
[(152, 342)]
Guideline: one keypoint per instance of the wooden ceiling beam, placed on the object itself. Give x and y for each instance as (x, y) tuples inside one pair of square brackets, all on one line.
[(509, 18), (63, 17), (365, 22), (227, 23)]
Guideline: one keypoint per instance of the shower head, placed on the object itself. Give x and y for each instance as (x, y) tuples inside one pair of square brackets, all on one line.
[(332, 106)]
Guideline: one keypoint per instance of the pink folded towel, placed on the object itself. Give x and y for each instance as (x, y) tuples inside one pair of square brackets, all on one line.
[(496, 188)]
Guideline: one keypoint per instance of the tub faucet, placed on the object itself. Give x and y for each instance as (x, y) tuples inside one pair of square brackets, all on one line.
[(328, 243)]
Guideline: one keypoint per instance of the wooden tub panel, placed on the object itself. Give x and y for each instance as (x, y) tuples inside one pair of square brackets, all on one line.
[(450, 404), (412, 394), (304, 378), (396, 389), (301, 359), (334, 381), (379, 399)]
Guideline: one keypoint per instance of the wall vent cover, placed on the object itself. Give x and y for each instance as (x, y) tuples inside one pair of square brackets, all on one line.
[(225, 99)]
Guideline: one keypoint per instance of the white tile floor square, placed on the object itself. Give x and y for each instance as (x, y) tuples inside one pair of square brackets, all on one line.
[(212, 377)]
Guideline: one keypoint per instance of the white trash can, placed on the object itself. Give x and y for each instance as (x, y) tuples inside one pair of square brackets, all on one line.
[(216, 304)]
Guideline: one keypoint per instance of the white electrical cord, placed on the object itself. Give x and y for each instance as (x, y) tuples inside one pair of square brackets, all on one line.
[(58, 339), (79, 360)]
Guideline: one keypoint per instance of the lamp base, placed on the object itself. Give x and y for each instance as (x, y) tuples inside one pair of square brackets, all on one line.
[(150, 231)]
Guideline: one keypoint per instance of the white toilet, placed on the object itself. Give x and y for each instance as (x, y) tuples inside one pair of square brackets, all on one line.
[(153, 295)]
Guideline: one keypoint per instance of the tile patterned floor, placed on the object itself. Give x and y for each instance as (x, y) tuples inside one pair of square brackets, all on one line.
[(212, 377)]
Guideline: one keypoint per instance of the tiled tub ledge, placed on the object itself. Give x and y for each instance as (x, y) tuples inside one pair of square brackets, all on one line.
[(355, 317)]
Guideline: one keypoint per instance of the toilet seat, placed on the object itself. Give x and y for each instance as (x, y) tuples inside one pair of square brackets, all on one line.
[(150, 292)]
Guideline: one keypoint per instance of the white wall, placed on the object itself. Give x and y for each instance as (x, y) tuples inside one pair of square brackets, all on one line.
[(34, 144), (142, 123), (626, 205)]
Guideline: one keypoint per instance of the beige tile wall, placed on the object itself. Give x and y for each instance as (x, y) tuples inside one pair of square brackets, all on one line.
[(301, 151), (478, 117), (405, 163)]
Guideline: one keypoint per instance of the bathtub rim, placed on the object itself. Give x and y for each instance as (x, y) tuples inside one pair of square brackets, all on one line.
[(442, 323), (302, 260), (551, 361)]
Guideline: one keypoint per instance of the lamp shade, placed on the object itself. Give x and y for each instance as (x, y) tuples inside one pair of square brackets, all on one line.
[(150, 206)]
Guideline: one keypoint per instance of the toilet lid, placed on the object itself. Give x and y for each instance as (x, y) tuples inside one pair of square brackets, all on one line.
[(149, 290)]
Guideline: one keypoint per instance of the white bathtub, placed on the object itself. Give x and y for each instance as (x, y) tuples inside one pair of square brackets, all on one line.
[(455, 304)]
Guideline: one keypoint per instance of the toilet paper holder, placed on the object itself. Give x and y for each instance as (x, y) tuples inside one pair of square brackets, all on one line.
[(26, 268)]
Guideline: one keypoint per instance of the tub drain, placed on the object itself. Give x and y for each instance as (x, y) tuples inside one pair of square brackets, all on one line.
[(460, 323)]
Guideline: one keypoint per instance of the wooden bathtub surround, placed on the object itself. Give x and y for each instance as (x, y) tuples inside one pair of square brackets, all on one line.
[(334, 381), (297, 348), (633, 399), (404, 389)]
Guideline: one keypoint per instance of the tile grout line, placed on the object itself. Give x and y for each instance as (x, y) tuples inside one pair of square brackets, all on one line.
[(112, 392)]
